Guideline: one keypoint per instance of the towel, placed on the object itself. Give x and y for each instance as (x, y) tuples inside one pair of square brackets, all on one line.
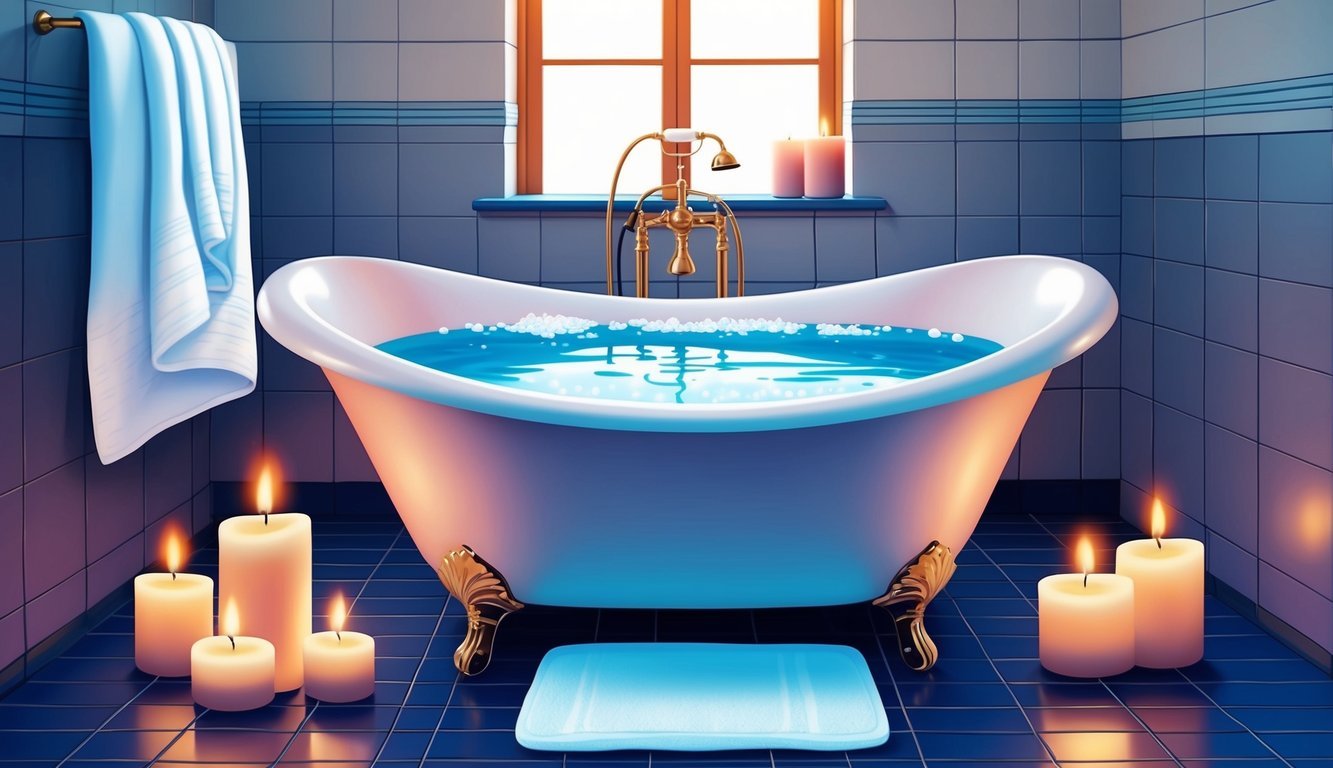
[(171, 326)]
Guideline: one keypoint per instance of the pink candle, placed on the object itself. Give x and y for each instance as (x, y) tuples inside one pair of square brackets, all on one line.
[(788, 168), (824, 158), (1086, 621)]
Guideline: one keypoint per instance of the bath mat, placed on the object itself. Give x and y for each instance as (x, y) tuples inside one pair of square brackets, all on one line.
[(702, 696)]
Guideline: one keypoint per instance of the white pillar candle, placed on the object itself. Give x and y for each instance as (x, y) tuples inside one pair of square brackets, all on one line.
[(232, 672), (788, 168), (264, 565), (1086, 621), (339, 665), (171, 611), (1168, 579)]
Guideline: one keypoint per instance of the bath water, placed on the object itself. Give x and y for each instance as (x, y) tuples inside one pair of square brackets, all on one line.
[(710, 361)]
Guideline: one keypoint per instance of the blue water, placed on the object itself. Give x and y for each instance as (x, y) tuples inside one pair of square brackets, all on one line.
[(724, 361)]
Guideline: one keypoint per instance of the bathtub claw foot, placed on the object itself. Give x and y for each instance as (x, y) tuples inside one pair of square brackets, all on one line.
[(484, 592), (915, 586)]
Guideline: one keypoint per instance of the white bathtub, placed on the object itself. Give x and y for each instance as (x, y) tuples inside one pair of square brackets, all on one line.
[(576, 502)]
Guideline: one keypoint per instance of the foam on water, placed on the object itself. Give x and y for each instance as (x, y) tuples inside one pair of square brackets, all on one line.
[(727, 360)]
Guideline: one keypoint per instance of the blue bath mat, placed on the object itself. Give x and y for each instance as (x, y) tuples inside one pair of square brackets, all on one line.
[(702, 696)]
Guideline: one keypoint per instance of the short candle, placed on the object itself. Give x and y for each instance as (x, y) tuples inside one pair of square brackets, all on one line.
[(1168, 579), (1086, 621), (825, 166), (231, 672), (171, 611), (339, 665)]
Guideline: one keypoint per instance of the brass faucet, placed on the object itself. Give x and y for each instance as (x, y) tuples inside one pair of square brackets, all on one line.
[(681, 219)]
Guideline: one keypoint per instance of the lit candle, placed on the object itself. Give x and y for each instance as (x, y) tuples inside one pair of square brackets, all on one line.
[(1086, 621), (264, 565), (789, 168), (232, 672), (339, 665), (1168, 579), (171, 611), (824, 166)]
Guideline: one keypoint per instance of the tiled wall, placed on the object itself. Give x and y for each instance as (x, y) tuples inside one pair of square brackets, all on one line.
[(373, 125), (1227, 291), (74, 530)]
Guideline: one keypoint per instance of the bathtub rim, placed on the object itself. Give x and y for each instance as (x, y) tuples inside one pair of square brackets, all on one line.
[(286, 308)]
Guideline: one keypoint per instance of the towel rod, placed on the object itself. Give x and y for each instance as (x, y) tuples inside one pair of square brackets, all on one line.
[(44, 22)]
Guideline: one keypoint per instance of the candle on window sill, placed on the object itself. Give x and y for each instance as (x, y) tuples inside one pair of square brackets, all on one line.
[(339, 665), (232, 672), (825, 159), (789, 168), (171, 611), (1086, 621), (264, 566), (1168, 577)]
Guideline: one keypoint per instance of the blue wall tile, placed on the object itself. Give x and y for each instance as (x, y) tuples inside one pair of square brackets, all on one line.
[(1054, 235), (1232, 236), (1296, 324), (1101, 234), (55, 289), (1136, 356), (917, 178), (298, 430), (509, 248), (1136, 439), (1234, 319), (988, 178), (366, 236), (787, 246), (11, 428), (1178, 371), (979, 236), (1296, 167), (1050, 179), (365, 179), (443, 179), (1178, 167), (11, 195), (1178, 459), (1179, 230), (1231, 168), (903, 244), (1295, 241), (53, 529), (448, 242), (1101, 178), (298, 180), (1178, 297), (1136, 287), (1136, 167), (1232, 496), (1231, 389), (11, 303), (1291, 399), (54, 405), (1136, 225), (1101, 433), (844, 247), (296, 237), (1293, 503), (55, 187)]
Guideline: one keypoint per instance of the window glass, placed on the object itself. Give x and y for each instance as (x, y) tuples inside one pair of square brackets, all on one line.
[(749, 29), (590, 114), (602, 29)]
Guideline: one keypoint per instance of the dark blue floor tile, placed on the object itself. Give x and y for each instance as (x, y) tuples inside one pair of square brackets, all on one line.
[(354, 718), (74, 694), (152, 717), (1188, 720), (334, 746), (996, 720), (951, 695), (167, 692), (981, 589), (981, 746), (271, 718), (397, 670), (103, 647), (1242, 671), (1074, 746), (17, 717), (403, 646), (405, 745), (1160, 695), (1190, 746), (1271, 694), (479, 719), (227, 746), (481, 745), (1083, 719), (469, 695), (1303, 745), (414, 718), (962, 671), (126, 745), (1228, 763), (1278, 719), (43, 745), (107, 670), (1010, 647), (1064, 695)]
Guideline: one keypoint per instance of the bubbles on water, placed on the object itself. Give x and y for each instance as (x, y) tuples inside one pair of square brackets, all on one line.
[(957, 337), (933, 333)]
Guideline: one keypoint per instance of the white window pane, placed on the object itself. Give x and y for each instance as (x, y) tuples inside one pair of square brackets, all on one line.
[(591, 113), (749, 29), (602, 29), (750, 107)]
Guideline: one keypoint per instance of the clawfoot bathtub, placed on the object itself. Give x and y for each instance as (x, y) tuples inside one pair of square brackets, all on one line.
[(524, 497)]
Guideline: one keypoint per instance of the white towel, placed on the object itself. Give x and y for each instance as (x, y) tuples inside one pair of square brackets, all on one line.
[(171, 329)]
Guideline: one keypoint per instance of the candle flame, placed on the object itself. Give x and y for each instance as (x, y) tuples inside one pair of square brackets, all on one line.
[(172, 551), (337, 613), (264, 491), (231, 620), (1084, 555), (823, 126), (1158, 520)]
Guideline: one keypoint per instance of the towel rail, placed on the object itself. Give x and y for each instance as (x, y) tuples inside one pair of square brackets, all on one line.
[(44, 22)]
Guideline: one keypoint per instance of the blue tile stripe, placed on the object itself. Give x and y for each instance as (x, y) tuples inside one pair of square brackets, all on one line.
[(391, 113)]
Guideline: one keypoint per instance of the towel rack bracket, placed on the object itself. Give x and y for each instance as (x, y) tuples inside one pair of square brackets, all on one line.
[(44, 22)]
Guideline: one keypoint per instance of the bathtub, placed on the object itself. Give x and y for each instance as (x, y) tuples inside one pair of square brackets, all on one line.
[(527, 498)]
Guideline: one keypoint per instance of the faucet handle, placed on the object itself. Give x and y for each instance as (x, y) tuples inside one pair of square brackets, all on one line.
[(679, 135)]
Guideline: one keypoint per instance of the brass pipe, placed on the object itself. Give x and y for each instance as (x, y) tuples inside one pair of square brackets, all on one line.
[(43, 22), (611, 202)]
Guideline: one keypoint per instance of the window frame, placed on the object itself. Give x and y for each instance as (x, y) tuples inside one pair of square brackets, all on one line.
[(675, 64)]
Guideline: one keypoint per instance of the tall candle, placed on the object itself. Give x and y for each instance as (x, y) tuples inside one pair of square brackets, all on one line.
[(824, 167), (1168, 579), (1086, 621), (264, 565), (339, 665), (232, 672), (788, 168), (171, 611)]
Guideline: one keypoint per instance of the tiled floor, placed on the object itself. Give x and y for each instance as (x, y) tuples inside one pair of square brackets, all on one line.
[(1252, 700)]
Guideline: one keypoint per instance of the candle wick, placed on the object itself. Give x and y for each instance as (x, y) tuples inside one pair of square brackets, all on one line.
[(233, 642), (339, 635), (1159, 542), (265, 518), (173, 575), (1085, 579)]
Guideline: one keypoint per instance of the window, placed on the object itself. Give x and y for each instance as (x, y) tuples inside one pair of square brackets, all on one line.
[(594, 74)]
